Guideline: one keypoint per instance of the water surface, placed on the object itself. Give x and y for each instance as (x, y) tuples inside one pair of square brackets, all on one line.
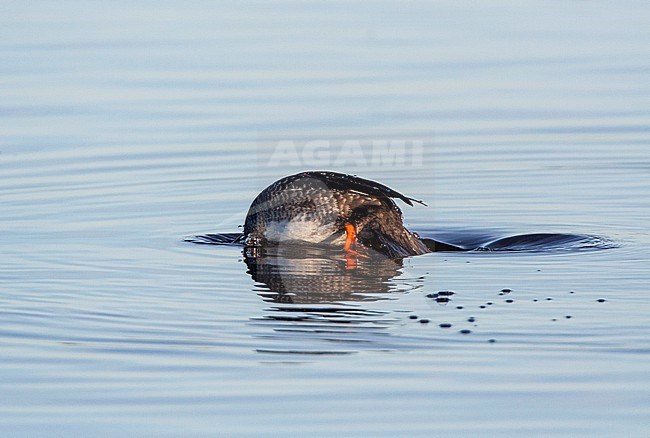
[(125, 129)]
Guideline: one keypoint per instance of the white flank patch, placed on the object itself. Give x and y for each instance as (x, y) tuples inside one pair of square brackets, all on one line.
[(298, 229)]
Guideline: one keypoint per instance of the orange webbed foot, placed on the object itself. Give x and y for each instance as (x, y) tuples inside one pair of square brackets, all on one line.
[(351, 241)]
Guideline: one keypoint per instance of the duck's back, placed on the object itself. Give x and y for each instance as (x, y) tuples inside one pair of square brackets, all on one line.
[(308, 206), (315, 206)]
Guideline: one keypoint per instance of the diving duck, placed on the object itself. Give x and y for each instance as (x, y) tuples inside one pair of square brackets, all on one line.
[(330, 208)]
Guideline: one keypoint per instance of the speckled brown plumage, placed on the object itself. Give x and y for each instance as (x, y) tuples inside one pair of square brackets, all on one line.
[(316, 206)]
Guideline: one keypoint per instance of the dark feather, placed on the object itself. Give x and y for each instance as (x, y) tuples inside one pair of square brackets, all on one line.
[(344, 182)]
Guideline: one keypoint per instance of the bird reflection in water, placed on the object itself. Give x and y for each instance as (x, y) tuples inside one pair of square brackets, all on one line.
[(321, 300), (293, 274)]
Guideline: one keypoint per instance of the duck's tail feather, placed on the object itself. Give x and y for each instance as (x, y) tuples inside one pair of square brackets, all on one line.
[(344, 181)]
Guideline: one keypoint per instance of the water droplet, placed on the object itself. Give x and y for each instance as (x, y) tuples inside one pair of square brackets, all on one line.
[(445, 325), (424, 321), (471, 319), (506, 290), (413, 317), (510, 301), (465, 331), (601, 300)]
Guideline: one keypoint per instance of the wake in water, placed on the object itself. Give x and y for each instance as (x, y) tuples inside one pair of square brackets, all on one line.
[(468, 241)]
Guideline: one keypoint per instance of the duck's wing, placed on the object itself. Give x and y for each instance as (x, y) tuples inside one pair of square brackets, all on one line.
[(342, 181)]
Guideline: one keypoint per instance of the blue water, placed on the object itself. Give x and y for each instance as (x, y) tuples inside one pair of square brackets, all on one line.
[(125, 128)]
